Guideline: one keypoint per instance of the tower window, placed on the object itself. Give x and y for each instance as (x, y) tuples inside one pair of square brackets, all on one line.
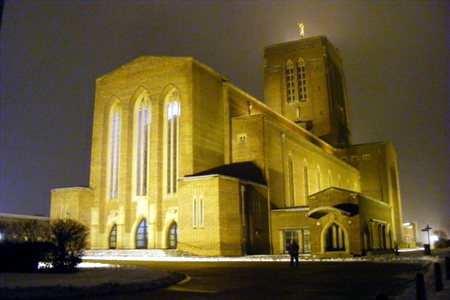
[(366, 157), (290, 82), (242, 138), (301, 80)]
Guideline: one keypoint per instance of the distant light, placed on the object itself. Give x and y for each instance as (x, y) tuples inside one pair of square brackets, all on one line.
[(406, 224), (434, 238)]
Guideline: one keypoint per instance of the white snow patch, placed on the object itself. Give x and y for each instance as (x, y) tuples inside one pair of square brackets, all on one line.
[(176, 255)]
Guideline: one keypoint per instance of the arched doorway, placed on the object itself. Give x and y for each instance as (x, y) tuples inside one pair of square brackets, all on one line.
[(172, 236), (141, 235), (113, 237), (335, 238)]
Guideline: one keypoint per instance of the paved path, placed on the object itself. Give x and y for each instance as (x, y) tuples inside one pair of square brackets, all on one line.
[(276, 280)]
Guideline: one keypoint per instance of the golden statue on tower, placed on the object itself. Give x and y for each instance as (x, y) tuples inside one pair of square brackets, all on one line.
[(301, 30)]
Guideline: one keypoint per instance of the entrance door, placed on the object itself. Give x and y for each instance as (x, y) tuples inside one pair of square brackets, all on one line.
[(172, 236), (335, 239)]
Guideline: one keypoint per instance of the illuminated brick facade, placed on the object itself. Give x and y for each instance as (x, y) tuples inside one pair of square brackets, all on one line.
[(183, 159)]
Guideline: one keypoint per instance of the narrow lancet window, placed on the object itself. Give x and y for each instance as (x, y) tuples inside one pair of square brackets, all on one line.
[(114, 151), (194, 208), (290, 82), (301, 80), (306, 182), (142, 148), (201, 214), (291, 181), (319, 179), (173, 113)]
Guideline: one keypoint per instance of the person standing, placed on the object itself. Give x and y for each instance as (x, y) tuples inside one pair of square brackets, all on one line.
[(293, 251)]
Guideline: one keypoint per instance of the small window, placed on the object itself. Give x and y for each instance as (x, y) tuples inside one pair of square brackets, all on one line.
[(288, 236), (242, 138), (366, 157), (355, 158), (344, 158)]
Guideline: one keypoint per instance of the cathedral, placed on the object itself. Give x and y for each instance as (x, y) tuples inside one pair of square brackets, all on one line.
[(183, 159)]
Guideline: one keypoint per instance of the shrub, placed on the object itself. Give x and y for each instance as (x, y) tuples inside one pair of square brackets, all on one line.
[(69, 239), (29, 242)]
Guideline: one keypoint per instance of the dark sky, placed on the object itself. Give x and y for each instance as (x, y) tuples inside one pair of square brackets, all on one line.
[(395, 59)]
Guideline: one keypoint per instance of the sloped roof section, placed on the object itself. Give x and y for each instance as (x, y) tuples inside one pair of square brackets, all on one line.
[(243, 170)]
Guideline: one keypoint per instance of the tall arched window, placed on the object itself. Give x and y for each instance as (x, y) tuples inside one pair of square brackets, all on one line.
[(143, 119), (290, 82), (301, 80), (142, 235), (291, 181), (173, 114), (114, 150), (113, 237)]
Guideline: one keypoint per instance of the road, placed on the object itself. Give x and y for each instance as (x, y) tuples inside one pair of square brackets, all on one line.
[(277, 280)]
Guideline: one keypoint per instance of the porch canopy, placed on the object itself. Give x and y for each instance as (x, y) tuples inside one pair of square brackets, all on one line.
[(333, 200)]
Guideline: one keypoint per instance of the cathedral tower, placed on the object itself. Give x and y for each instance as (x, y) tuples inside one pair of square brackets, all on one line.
[(304, 81)]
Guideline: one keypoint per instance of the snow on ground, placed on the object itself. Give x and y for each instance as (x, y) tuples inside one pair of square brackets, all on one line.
[(98, 278), (176, 255), (91, 279)]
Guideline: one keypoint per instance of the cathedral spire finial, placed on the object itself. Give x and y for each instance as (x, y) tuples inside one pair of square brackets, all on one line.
[(301, 30)]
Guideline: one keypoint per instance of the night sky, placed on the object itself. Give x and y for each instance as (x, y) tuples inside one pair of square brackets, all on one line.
[(395, 61)]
